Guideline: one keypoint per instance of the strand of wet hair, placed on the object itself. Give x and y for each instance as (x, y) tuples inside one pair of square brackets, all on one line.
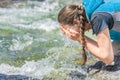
[(82, 31)]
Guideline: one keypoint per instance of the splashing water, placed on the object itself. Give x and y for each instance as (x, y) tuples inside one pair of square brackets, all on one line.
[(31, 44)]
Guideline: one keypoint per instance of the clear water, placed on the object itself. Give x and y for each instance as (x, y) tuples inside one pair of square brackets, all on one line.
[(32, 45)]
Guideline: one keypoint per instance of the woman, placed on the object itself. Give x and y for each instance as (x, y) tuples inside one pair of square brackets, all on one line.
[(103, 17)]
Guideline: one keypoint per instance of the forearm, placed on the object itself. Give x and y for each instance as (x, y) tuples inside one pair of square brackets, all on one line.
[(91, 45)]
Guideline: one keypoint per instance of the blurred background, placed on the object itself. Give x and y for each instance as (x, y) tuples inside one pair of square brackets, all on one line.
[(32, 45)]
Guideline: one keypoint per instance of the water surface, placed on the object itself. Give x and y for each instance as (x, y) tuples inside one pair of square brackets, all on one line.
[(32, 46)]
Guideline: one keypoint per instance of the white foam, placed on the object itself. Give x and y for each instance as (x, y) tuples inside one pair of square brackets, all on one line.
[(45, 6), (20, 45), (46, 25), (30, 68), (15, 16)]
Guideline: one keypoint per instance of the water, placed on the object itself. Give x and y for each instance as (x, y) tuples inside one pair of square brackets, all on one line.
[(32, 46)]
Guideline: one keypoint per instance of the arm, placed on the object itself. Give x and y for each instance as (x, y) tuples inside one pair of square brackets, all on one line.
[(101, 48)]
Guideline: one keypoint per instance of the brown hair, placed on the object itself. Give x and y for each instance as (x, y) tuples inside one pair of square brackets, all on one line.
[(67, 16)]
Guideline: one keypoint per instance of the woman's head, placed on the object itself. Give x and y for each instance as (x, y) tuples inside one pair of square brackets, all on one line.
[(72, 13)]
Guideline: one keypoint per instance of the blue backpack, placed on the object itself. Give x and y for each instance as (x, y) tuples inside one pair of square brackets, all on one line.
[(114, 35), (92, 6)]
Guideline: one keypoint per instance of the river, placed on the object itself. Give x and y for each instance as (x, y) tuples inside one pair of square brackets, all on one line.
[(33, 48)]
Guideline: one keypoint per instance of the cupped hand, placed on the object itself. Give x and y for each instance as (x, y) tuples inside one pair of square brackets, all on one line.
[(72, 33)]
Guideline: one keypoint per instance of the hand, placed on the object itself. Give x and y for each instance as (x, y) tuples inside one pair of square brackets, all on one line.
[(70, 32)]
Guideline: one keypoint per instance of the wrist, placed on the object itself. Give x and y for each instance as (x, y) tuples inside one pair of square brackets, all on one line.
[(79, 40), (113, 63)]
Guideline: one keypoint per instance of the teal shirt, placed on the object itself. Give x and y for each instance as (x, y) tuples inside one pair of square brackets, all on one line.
[(92, 6)]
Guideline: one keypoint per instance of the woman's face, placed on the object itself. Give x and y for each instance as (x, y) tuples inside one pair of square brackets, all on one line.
[(70, 27), (70, 31), (75, 27)]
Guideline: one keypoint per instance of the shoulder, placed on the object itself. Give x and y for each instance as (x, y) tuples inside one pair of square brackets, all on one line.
[(101, 14), (100, 21)]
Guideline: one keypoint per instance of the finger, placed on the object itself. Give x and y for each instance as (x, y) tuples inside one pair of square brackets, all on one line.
[(63, 31), (72, 37), (73, 31), (62, 26), (66, 31)]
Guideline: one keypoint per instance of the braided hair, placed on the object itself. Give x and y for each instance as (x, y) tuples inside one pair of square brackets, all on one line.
[(82, 30), (68, 15)]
